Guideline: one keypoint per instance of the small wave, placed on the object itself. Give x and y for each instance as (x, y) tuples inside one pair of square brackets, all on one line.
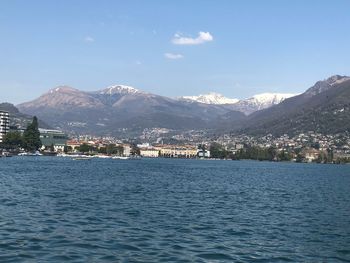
[(215, 256)]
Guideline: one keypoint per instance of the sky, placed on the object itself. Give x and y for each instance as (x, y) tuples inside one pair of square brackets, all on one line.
[(171, 48)]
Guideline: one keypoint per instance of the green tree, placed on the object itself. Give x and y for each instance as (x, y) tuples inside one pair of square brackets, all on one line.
[(272, 154), (31, 136), (119, 150), (67, 149), (218, 151), (284, 156), (202, 147), (85, 148), (13, 140), (102, 150), (112, 149), (52, 148), (330, 155), (134, 149)]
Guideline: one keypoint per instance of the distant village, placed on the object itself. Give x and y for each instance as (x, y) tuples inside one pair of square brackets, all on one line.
[(304, 147)]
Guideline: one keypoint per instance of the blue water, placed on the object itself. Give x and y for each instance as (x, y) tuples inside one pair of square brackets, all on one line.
[(161, 210)]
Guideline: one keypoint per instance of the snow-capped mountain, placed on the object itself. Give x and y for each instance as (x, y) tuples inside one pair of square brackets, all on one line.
[(265, 100), (122, 107), (323, 108), (117, 107), (210, 98), (248, 106), (260, 101), (120, 89)]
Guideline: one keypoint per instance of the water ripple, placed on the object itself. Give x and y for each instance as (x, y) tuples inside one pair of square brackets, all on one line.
[(60, 210)]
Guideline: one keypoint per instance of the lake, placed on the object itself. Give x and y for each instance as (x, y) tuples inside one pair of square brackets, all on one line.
[(171, 210)]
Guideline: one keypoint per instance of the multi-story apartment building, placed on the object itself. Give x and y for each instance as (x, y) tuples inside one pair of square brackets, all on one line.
[(4, 124), (53, 138)]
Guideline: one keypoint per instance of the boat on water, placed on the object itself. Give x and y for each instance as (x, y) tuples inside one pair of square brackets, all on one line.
[(6, 154), (37, 153)]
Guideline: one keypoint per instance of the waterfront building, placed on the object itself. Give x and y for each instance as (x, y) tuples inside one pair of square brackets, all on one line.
[(73, 144), (149, 152), (127, 149), (4, 124), (53, 138), (310, 154), (143, 145), (203, 153), (176, 151)]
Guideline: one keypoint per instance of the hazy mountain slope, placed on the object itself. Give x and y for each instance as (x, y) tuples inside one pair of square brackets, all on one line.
[(18, 119), (323, 108)]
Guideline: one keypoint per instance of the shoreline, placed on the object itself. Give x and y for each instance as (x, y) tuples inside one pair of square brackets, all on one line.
[(125, 158)]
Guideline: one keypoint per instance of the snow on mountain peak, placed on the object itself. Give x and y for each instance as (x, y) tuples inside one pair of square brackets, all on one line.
[(210, 98), (261, 101), (269, 99), (120, 89), (62, 89)]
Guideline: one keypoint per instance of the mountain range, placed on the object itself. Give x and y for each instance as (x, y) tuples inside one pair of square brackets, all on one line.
[(120, 107), (247, 106), (324, 107), (123, 107)]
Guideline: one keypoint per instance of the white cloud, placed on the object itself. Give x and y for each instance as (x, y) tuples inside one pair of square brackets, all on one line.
[(173, 56), (89, 39), (203, 37)]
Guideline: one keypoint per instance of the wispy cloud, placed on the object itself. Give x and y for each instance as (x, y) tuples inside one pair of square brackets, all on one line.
[(173, 56), (203, 37), (89, 39)]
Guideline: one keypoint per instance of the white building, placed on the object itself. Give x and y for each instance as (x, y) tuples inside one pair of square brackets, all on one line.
[(149, 152), (203, 153), (127, 150), (143, 145), (4, 124)]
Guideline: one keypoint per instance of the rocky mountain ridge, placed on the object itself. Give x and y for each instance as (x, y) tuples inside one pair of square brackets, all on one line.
[(323, 107)]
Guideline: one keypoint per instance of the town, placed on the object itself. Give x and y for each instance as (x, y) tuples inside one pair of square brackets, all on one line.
[(155, 143)]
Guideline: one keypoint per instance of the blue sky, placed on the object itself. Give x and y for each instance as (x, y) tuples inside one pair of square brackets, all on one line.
[(245, 48)]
